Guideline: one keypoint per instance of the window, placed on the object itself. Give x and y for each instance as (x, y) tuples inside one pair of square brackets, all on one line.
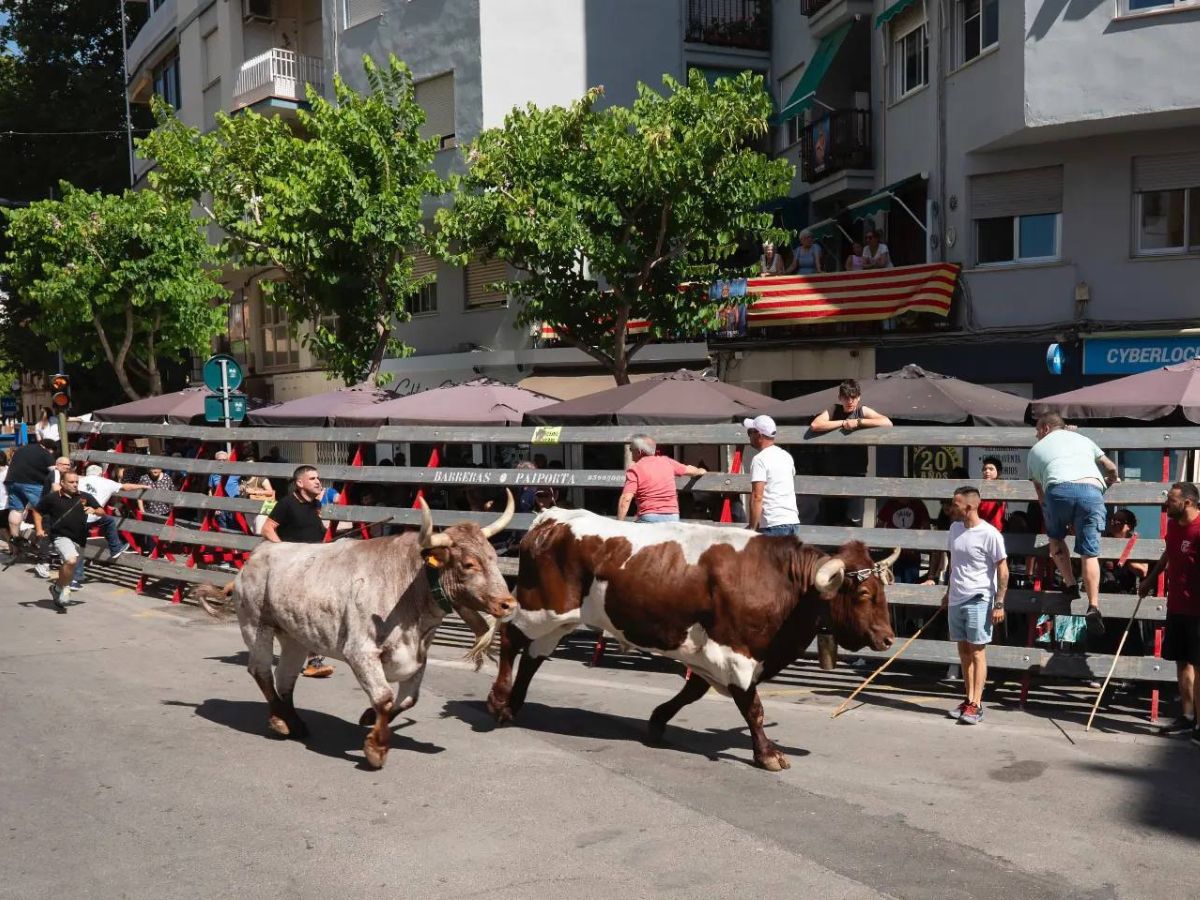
[(977, 27), (910, 60), (239, 328), (355, 12), (1166, 208), (166, 80), (1136, 6), (1017, 215), (481, 273), (790, 131), (212, 62), (436, 97), (156, 5), (280, 347), (1007, 239), (424, 302)]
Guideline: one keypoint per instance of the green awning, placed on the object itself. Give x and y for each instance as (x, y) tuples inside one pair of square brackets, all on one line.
[(823, 229), (806, 91), (892, 11), (879, 201)]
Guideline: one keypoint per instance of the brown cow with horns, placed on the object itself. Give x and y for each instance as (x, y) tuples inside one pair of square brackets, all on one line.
[(734, 606)]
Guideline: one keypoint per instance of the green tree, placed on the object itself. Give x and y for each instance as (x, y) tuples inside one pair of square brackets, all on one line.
[(606, 212), (334, 207), (124, 278)]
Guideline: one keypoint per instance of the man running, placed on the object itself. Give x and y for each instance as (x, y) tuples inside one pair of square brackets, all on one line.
[(25, 480), (296, 519), (67, 509), (650, 481)]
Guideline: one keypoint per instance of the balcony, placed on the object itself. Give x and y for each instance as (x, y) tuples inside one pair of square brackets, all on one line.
[(742, 24), (279, 76), (825, 16), (837, 143)]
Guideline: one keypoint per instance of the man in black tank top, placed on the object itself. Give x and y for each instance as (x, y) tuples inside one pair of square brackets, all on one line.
[(850, 413)]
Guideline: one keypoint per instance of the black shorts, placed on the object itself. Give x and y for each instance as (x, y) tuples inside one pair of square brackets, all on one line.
[(1181, 639)]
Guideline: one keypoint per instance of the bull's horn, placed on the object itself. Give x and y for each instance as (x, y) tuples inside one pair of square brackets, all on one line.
[(505, 517), (427, 539), (891, 560), (830, 575)]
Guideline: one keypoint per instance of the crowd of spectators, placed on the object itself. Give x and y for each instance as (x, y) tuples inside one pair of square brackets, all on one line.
[(809, 257)]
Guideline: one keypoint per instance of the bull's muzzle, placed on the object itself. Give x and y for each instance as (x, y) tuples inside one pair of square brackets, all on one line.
[(502, 607)]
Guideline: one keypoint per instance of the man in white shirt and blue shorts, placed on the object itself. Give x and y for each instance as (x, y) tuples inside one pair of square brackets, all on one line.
[(773, 510), (974, 598)]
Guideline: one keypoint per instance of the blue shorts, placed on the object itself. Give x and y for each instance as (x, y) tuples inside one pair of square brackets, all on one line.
[(659, 517), (1073, 504), (23, 495), (971, 620), (779, 530)]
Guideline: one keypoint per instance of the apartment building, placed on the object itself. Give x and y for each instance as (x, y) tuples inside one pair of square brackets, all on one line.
[(1050, 149)]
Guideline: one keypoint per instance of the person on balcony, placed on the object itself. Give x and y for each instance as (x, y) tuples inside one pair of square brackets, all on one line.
[(876, 254), (770, 263), (855, 261), (806, 257)]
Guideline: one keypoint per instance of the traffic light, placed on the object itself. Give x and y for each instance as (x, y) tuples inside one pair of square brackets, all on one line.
[(60, 393)]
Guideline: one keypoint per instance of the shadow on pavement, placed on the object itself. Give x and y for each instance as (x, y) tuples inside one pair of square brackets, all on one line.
[(48, 605), (1163, 789), (711, 743), (328, 735)]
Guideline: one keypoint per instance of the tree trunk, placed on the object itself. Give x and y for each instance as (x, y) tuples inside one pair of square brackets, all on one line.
[(381, 342)]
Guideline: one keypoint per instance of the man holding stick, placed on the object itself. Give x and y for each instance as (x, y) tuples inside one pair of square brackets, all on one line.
[(1181, 560), (974, 598)]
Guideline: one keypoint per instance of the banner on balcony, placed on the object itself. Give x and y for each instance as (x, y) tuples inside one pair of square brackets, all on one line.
[(732, 321), (636, 326), (864, 296)]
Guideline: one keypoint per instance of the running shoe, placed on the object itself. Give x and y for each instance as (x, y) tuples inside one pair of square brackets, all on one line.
[(56, 596), (118, 553), (317, 668), (1178, 725), (1071, 593), (957, 712), (42, 570), (972, 715), (1095, 622)]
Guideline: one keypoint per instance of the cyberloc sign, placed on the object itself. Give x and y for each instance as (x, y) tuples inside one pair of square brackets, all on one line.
[(1128, 356)]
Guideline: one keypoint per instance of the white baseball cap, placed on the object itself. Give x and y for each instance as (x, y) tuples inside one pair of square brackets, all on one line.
[(764, 425)]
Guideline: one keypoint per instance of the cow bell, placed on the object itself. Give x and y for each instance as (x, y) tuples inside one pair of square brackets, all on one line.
[(827, 652)]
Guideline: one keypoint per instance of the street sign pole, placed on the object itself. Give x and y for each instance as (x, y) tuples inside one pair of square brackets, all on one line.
[(225, 400)]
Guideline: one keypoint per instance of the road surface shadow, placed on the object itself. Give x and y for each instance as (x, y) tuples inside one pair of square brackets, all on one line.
[(327, 735), (1163, 788), (48, 605), (711, 743)]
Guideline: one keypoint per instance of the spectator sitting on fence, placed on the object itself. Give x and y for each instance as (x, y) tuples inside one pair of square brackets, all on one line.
[(1121, 577), (849, 413), (1066, 470), (993, 511), (974, 598), (650, 482), (102, 490), (1181, 562), (157, 480)]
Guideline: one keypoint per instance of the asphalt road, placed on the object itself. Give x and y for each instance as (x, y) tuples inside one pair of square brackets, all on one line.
[(134, 763)]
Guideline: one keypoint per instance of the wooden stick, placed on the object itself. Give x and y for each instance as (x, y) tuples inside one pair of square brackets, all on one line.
[(887, 662), (1113, 667)]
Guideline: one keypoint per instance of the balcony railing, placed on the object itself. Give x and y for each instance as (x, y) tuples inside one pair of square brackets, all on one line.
[(278, 73), (745, 24), (837, 141), (812, 7)]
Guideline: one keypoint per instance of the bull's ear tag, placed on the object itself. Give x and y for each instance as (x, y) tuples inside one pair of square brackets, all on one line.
[(433, 562)]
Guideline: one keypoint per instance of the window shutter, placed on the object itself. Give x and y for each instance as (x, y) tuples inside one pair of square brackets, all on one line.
[(436, 97), (1166, 173), (480, 273), (1025, 192), (359, 11), (423, 264)]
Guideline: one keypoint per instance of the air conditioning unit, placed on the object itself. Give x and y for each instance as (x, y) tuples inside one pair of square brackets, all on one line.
[(258, 10)]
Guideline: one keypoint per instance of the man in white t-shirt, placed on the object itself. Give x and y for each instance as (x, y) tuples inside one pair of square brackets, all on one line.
[(772, 476), (974, 596), (102, 489)]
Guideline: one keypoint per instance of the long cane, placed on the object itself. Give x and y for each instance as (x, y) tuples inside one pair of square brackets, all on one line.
[(1133, 538), (887, 662), (1113, 667)]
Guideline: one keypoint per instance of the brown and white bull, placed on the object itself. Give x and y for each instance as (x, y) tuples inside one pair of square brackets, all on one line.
[(373, 604), (734, 606)]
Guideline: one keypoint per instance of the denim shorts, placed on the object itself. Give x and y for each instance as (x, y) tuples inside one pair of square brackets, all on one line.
[(659, 517), (780, 530), (1078, 505), (971, 620), (23, 495)]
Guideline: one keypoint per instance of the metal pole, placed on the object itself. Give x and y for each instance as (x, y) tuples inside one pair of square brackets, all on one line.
[(225, 400), (125, 92)]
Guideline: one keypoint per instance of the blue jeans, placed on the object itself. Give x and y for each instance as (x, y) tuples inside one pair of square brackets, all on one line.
[(1072, 504), (108, 527), (658, 517), (780, 530)]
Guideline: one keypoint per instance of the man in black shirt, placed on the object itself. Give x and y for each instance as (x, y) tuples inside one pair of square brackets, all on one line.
[(25, 482), (296, 519), (67, 510)]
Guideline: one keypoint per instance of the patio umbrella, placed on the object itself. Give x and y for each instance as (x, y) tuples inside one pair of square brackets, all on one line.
[(1172, 392), (478, 402), (912, 395), (184, 407), (327, 409), (677, 398)]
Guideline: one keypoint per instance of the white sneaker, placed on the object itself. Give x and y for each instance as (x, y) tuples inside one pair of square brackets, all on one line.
[(42, 569)]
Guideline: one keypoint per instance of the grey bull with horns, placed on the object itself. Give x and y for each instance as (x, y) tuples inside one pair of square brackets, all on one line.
[(373, 604)]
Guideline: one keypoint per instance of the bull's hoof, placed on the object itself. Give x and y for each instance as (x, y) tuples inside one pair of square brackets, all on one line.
[(655, 732), (376, 755), (773, 762), (279, 726), (367, 719), (500, 709)]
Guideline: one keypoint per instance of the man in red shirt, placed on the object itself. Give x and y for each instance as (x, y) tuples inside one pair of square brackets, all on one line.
[(1181, 559), (651, 482)]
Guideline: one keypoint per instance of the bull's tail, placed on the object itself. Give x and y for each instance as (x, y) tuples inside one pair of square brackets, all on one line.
[(215, 600)]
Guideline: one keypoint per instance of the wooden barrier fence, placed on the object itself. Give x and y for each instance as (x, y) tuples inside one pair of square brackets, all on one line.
[(183, 550)]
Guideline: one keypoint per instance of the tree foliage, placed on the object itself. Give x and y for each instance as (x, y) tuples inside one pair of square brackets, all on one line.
[(607, 212), (334, 208), (124, 278)]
